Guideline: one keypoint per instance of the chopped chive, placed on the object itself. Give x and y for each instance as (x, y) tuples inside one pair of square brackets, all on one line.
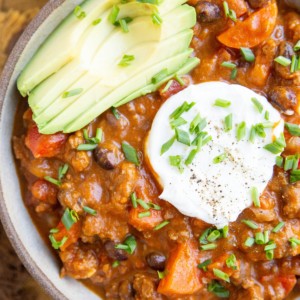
[(143, 204), (267, 115), (283, 61), (233, 73), (124, 25), (291, 162), (96, 22), (204, 235), (252, 134), (259, 238), (182, 137), (257, 105), (113, 16), (204, 264), (87, 147), (247, 54), (222, 275), (270, 246), (161, 225), (130, 153), (195, 123), (249, 242), (222, 103), (228, 123), (295, 176), (156, 19), (62, 171), (57, 244), (160, 76), (241, 131), (168, 85), (79, 13), (266, 236), (69, 218), (144, 214), (294, 242), (217, 289), (213, 236), (255, 197), (161, 275), (181, 109), (278, 227), (179, 80), (90, 210), (52, 180), (225, 231), (294, 64), (116, 113), (54, 230), (250, 224), (207, 247), (115, 264), (176, 161), (231, 262), (277, 146), (72, 93), (126, 60), (270, 254), (297, 46), (177, 122), (228, 64), (220, 158), (191, 156), (229, 13), (167, 145), (134, 200), (154, 206), (293, 129), (129, 245)]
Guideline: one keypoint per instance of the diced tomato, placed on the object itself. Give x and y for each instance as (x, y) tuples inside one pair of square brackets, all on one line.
[(72, 234), (287, 282), (182, 275), (44, 191), (42, 145), (173, 89), (252, 31)]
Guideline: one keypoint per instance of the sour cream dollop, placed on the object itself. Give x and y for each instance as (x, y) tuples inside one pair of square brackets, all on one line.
[(221, 179)]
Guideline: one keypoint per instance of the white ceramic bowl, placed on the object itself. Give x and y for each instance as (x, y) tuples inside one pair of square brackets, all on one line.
[(22, 233)]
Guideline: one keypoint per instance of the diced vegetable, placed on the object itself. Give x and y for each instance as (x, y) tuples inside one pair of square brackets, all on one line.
[(253, 30), (287, 282), (239, 6), (42, 145), (181, 272)]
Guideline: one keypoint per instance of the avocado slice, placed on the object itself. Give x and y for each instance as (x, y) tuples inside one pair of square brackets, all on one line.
[(96, 105), (157, 52), (190, 64), (46, 100), (67, 37)]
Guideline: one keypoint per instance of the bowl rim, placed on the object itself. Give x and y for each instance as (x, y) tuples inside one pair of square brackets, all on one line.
[(5, 79)]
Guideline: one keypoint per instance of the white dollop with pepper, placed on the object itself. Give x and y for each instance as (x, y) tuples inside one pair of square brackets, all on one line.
[(213, 147)]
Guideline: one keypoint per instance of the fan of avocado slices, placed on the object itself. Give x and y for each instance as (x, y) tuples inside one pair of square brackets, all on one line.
[(105, 54)]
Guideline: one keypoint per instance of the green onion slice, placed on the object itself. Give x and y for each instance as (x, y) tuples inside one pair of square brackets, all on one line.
[(167, 145), (283, 61), (161, 225), (126, 60), (278, 227), (90, 210), (57, 244), (293, 129), (129, 245), (248, 54), (204, 264), (130, 153), (222, 275), (69, 218), (255, 197), (222, 103), (250, 224), (241, 131)]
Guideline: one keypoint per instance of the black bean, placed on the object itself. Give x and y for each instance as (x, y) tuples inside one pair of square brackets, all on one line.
[(258, 3), (112, 252), (207, 12), (105, 158), (126, 290), (156, 261)]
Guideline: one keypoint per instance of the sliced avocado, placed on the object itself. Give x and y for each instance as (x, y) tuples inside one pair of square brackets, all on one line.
[(118, 75), (64, 38), (67, 37), (46, 103), (167, 6), (97, 107), (190, 64)]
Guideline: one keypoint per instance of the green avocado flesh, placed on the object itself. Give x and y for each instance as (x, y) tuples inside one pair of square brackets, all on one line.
[(101, 62)]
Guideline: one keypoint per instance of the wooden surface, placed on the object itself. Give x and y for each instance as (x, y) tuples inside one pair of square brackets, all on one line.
[(15, 282)]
